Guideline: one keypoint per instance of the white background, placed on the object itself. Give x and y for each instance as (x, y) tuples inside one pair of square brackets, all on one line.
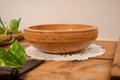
[(105, 14)]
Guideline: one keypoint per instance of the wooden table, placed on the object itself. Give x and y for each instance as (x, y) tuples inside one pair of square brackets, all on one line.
[(97, 68)]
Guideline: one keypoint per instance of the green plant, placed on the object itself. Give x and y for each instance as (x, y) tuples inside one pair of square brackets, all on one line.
[(15, 56), (12, 29)]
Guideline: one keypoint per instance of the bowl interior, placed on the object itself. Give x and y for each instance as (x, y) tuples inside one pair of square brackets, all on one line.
[(63, 27)]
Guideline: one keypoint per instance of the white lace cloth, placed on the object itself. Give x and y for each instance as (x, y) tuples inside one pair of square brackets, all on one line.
[(92, 51)]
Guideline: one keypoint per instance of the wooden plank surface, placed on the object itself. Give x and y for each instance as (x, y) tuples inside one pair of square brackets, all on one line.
[(115, 71), (92, 69), (109, 46), (97, 68)]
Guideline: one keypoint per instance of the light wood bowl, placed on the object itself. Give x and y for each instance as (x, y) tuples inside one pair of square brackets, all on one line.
[(61, 38)]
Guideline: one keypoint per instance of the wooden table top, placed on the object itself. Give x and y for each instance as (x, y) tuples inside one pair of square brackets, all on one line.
[(97, 68)]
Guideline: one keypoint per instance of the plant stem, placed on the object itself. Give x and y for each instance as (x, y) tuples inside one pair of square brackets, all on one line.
[(11, 41), (2, 23)]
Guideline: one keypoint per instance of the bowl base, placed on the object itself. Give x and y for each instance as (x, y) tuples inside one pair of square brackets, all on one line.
[(61, 47)]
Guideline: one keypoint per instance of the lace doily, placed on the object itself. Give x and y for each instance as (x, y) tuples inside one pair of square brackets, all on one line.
[(92, 51)]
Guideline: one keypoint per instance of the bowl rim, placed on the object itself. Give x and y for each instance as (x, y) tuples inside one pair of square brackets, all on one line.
[(35, 30)]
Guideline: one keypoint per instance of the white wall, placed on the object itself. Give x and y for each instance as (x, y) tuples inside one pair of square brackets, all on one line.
[(105, 14)]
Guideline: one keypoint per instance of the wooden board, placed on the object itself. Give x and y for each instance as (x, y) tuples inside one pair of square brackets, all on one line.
[(92, 69), (97, 68), (109, 46), (115, 71)]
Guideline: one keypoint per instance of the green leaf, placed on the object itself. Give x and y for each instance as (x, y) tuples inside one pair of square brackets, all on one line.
[(1, 30), (2, 62), (1, 56), (14, 24), (14, 57), (1, 52), (18, 51)]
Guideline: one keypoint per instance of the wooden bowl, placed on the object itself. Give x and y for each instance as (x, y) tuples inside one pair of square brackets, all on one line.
[(61, 38)]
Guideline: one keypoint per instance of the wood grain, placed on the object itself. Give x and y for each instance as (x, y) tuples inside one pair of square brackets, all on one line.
[(115, 71), (61, 38), (92, 69), (97, 68), (109, 46)]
